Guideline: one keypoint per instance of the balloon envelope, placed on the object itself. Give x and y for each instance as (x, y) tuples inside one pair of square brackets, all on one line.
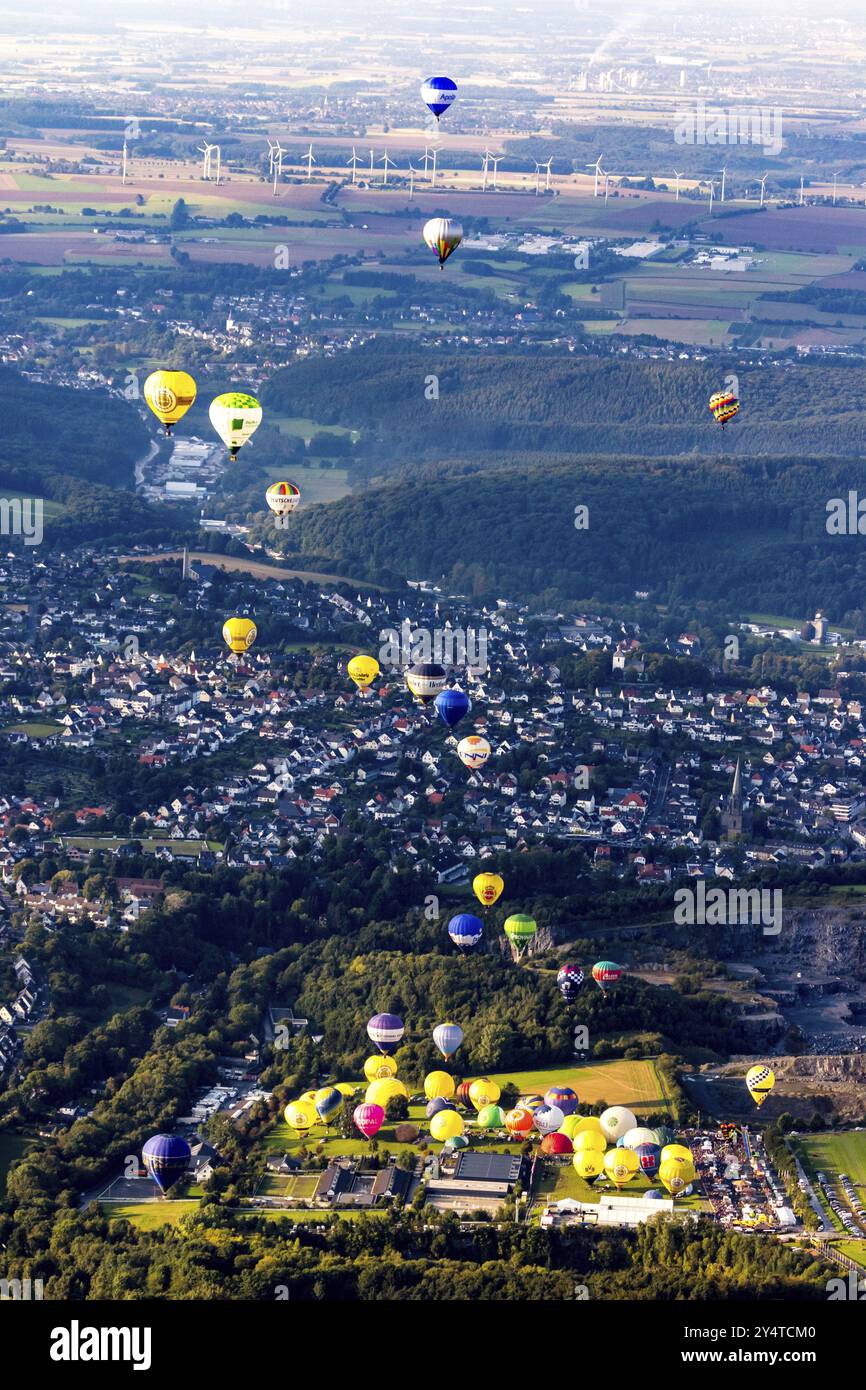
[(487, 888), (452, 705), (649, 1158), (166, 1157), (616, 1121), (282, 498), (239, 634), (760, 1081), (301, 1115), (519, 1121), (446, 1125), (465, 930), (383, 1091), (556, 1144), (621, 1165), (169, 395), (437, 94), (473, 752), (363, 670), (235, 416), (548, 1118), (385, 1030), (563, 1097), (377, 1067), (447, 1037), (520, 930), (443, 235), (483, 1092), (491, 1117), (640, 1135), (438, 1103), (438, 1085), (426, 680), (588, 1163), (589, 1141), (606, 972), (368, 1118), (328, 1102), (724, 405)]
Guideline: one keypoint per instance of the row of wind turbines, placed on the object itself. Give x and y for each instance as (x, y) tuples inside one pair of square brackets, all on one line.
[(708, 184)]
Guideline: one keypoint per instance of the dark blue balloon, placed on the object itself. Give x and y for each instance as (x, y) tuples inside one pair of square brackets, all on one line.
[(166, 1157), (440, 1103), (650, 1157), (465, 930), (451, 705)]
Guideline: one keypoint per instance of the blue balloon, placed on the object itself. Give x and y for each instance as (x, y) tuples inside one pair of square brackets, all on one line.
[(437, 94), (451, 705), (166, 1157), (653, 1195), (465, 930), (440, 1103), (650, 1157)]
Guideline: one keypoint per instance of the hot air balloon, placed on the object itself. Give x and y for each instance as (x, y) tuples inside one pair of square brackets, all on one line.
[(376, 1068), (443, 235), (383, 1090), (437, 94), (439, 1103), (519, 1121), (483, 1092), (425, 680), (368, 1119), (166, 1157), (556, 1143), (590, 1124), (406, 1133), (282, 498), (447, 1037), (606, 972), (633, 1138), (169, 395), (346, 1089), (548, 1118), (653, 1195), (532, 1103), (456, 1141), (588, 1163), (491, 1117), (616, 1121), (724, 405), (678, 1153), (461, 1095), (520, 930), (563, 1097), (308, 1097), (569, 1125), (487, 888), (473, 752), (760, 1081), (385, 1030), (438, 1085), (235, 416), (328, 1103), (675, 1176), (451, 705), (621, 1165), (586, 1140), (363, 670), (446, 1125), (301, 1115), (465, 930), (239, 634), (649, 1157), (569, 980)]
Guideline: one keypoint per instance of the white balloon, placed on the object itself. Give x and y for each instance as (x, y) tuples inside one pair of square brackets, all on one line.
[(617, 1120)]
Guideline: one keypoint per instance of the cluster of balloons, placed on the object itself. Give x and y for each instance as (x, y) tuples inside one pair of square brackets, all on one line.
[(318, 1107), (570, 978), (235, 415), (428, 682)]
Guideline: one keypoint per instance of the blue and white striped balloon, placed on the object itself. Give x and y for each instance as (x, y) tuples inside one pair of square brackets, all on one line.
[(437, 93)]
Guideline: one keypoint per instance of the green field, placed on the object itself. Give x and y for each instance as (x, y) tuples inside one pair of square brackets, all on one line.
[(33, 730), (302, 427), (148, 846), (148, 1216), (12, 1147), (833, 1154), (854, 1249), (634, 1084)]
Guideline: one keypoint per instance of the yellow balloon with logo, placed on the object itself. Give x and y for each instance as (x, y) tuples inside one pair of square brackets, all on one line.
[(239, 634), (447, 1124), (620, 1165), (487, 888), (676, 1175), (588, 1163), (760, 1081), (301, 1115), (378, 1067), (588, 1141), (363, 670), (676, 1151), (484, 1092), (345, 1088), (385, 1089), (235, 416), (169, 395)]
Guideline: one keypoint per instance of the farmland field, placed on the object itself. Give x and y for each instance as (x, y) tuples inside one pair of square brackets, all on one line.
[(253, 567), (833, 1154), (149, 1216), (12, 1147)]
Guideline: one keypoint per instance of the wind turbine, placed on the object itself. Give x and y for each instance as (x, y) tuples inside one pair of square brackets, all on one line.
[(277, 164), (371, 163), (123, 164), (546, 167), (205, 150), (309, 159), (388, 163), (494, 160), (538, 168), (354, 161), (835, 177), (764, 180), (724, 176), (712, 185), (427, 158), (412, 172), (606, 185), (218, 161), (485, 165), (598, 170), (677, 175), (272, 150), (801, 190)]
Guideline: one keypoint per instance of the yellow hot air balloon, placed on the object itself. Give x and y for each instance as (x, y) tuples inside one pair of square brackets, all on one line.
[(570, 1126), (484, 1092), (239, 634), (620, 1165), (308, 1096), (678, 1152), (439, 1085), (381, 1091), (588, 1141), (301, 1115), (675, 1175), (282, 498), (235, 416), (378, 1067), (363, 670), (443, 235), (447, 1124), (588, 1163), (169, 395), (588, 1123), (487, 888), (473, 751), (760, 1081), (345, 1088)]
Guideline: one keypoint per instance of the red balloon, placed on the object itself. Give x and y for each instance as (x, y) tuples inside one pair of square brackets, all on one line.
[(461, 1095), (369, 1119), (556, 1143)]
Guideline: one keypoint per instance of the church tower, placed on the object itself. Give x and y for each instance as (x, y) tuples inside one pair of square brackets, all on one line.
[(735, 816)]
